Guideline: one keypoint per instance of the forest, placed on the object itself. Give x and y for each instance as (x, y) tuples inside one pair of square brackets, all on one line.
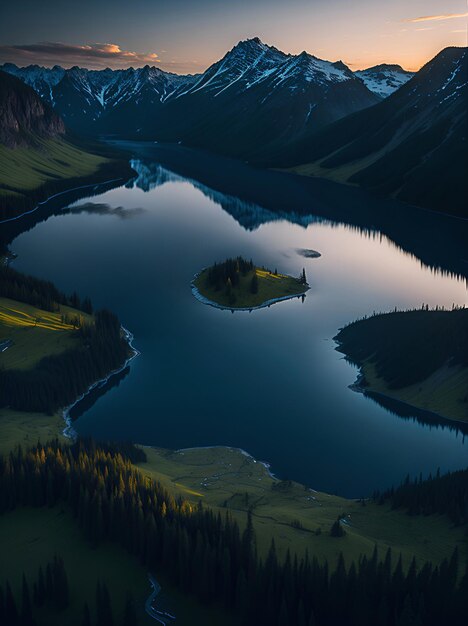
[(408, 346), (50, 591), (440, 494), (58, 380), (221, 274), (206, 554), (40, 293)]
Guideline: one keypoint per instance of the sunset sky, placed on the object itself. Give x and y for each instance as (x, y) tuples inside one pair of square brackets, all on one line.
[(188, 35)]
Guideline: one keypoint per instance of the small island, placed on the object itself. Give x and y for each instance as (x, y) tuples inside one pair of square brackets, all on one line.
[(237, 284)]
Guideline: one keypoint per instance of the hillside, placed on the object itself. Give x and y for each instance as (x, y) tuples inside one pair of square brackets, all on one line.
[(37, 158), (418, 134), (419, 357)]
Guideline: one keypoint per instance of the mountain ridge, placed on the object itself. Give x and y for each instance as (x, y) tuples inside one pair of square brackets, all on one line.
[(418, 134), (153, 104)]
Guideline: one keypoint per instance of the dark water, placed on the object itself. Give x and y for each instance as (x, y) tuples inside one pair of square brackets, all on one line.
[(270, 382)]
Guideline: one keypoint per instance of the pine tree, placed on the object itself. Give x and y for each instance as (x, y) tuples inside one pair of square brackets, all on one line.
[(26, 608), (103, 606), (11, 611), (254, 283), (86, 621), (130, 618)]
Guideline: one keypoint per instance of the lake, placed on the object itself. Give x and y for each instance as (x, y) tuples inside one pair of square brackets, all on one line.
[(270, 381)]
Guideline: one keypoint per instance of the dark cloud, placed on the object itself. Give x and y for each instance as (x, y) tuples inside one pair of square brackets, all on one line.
[(96, 55), (98, 208)]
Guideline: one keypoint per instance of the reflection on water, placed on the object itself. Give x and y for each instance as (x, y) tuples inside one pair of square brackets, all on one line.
[(270, 382), (249, 215)]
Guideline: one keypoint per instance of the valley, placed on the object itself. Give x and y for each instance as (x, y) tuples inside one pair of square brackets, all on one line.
[(230, 474)]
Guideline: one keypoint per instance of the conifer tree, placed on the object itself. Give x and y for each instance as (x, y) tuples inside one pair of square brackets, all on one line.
[(26, 608)]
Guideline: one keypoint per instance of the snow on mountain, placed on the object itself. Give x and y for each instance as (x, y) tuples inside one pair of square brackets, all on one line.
[(384, 79), (247, 62), (248, 92), (417, 134)]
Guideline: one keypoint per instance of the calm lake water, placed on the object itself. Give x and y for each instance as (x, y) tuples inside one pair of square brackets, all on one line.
[(270, 381)]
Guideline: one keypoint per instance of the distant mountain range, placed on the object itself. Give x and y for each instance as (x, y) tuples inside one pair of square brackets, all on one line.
[(413, 145), (256, 96), (383, 128)]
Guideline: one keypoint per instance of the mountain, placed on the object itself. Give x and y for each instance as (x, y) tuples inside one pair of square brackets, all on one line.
[(37, 158), (384, 79), (253, 98), (83, 97), (257, 97), (24, 116), (412, 145)]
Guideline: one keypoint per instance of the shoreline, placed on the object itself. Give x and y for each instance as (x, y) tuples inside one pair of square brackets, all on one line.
[(55, 195), (68, 431), (265, 464), (204, 300), (367, 391)]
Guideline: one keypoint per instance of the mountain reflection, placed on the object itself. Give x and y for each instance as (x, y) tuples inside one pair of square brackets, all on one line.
[(248, 214)]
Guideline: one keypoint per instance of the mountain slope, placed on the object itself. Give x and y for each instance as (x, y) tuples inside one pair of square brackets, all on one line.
[(412, 146), (24, 116), (258, 97), (255, 97), (84, 97), (36, 157), (384, 79)]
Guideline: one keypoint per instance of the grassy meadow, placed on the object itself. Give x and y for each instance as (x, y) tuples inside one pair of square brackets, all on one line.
[(444, 392), (298, 517), (35, 333), (23, 170)]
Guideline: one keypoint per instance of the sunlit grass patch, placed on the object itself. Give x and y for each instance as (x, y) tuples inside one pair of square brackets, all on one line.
[(35, 333)]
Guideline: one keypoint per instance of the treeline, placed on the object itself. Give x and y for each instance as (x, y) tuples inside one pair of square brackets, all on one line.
[(50, 590), (220, 275), (408, 346), (207, 555), (446, 495), (40, 293), (57, 380)]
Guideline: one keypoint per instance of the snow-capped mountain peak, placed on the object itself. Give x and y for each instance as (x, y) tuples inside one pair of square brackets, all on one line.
[(384, 79)]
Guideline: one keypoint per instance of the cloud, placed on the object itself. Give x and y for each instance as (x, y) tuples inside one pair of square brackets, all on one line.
[(436, 18), (95, 56)]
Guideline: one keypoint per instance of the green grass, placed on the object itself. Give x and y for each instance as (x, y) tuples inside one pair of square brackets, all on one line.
[(23, 170), (270, 286), (417, 356), (444, 392), (26, 429), (35, 333), (31, 537), (225, 478)]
